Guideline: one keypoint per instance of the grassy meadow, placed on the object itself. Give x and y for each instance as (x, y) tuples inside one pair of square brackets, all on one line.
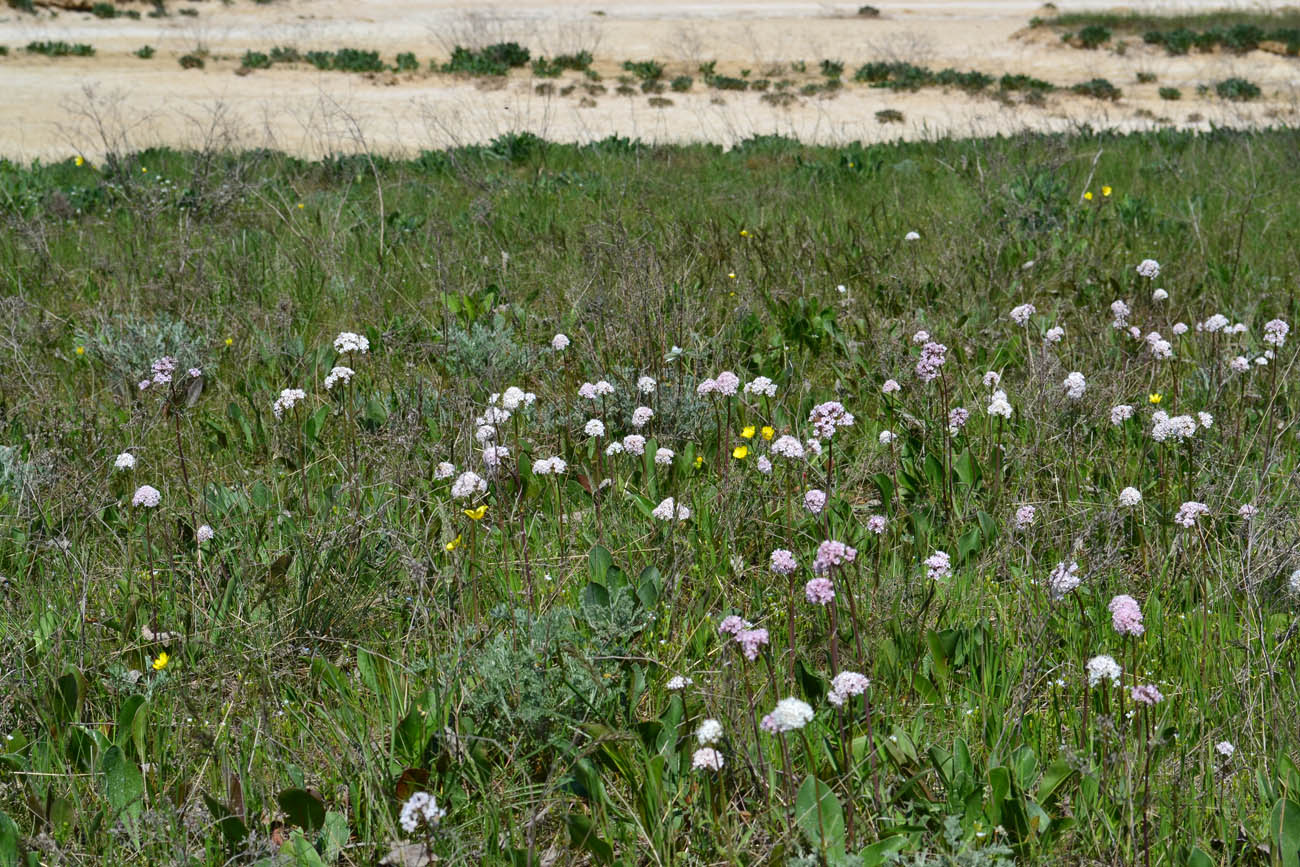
[(319, 546)]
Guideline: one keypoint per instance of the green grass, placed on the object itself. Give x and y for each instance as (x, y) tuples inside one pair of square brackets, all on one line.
[(349, 635), (1238, 31), (60, 48)]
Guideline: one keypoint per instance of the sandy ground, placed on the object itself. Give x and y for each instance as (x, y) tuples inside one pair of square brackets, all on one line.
[(52, 108)]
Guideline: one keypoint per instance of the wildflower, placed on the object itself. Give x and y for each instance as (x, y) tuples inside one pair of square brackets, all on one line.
[(727, 383), (751, 641), (1120, 414), (832, 553), (646, 384), (288, 399), (664, 457), (938, 566), (891, 386), (80, 161), (668, 508), (420, 810), (920, 336), (706, 759), (146, 496), (614, 448), (740, 452), (813, 447), (204, 533), (845, 685), (999, 405), (1105, 191), (748, 432), (1154, 397), (1205, 419), (553, 466), (886, 437), (787, 447), (161, 661), (162, 369), (124, 462), (641, 416), (515, 397), (1148, 268), (452, 545), (80, 350), (876, 524), (1020, 314), (1025, 517), (1121, 312), (767, 432), (912, 236), (1248, 511), (1239, 364), (733, 624), (468, 484), (1074, 385), (1103, 668), (1217, 322), (1159, 347), (1064, 578), (1178, 427), (790, 714), (761, 386), (337, 375), (230, 341), (1225, 749), (819, 591), (634, 444), (493, 455), (1054, 334), (444, 470), (1126, 615), (991, 379), (1275, 332), (957, 419), (1130, 497), (783, 562), (348, 342), (1188, 513), (1180, 328), (1146, 694), (933, 356), (814, 501), (763, 464), (475, 514), (707, 386), (709, 732), (559, 343), (1087, 196), (594, 428), (587, 391), (1160, 295), (678, 682), (826, 417)]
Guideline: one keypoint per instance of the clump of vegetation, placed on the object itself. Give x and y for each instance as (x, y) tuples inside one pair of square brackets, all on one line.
[(1237, 89), (832, 68), (145, 52), (889, 115), (497, 59), (645, 70), (60, 48), (1170, 93), (406, 62), (681, 83), (255, 60), (285, 54), (1146, 77), (1021, 82), (1094, 36), (868, 12), (554, 67), (192, 60), (1097, 88)]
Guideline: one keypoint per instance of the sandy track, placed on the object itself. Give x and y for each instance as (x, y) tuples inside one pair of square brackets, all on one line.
[(50, 108)]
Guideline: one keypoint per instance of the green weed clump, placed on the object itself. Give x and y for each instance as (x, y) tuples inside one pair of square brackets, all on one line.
[(60, 48), (496, 59), (1237, 89), (1097, 88)]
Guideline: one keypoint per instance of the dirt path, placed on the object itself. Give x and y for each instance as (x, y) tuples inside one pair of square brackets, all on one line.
[(52, 108)]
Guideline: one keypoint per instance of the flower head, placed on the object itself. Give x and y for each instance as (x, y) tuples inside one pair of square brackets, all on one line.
[(288, 399), (814, 501), (161, 661), (420, 811), (826, 417), (938, 566), (933, 357), (204, 533), (709, 732), (751, 641), (468, 484), (1021, 314), (679, 681), (641, 416), (347, 342), (646, 384), (783, 562), (706, 759), (146, 496), (559, 343), (787, 447), (1188, 513), (845, 685), (1148, 268), (733, 624), (1025, 517), (762, 386), (1146, 694), (1103, 668), (337, 375), (1075, 385), (1126, 615), (1130, 497), (819, 591), (1064, 578), (1275, 332), (594, 428), (124, 462), (831, 554), (876, 524), (790, 714), (668, 508)]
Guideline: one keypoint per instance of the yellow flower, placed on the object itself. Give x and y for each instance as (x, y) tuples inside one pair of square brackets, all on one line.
[(699, 461), (1105, 191), (744, 233), (230, 341), (748, 432), (1154, 397), (144, 170), (740, 452), (476, 514), (301, 206), (452, 545), (161, 662), (850, 165), (80, 161), (767, 432), (731, 275), (1088, 196), (81, 350)]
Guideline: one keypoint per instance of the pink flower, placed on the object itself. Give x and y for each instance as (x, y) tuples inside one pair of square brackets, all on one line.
[(876, 524), (1188, 513), (826, 417), (733, 624), (751, 641), (706, 759), (845, 685), (933, 356), (1147, 695), (814, 501), (1126, 616), (727, 383), (783, 562), (831, 554), (1025, 516), (820, 591), (938, 565)]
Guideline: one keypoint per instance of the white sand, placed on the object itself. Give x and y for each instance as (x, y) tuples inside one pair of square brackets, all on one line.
[(51, 108)]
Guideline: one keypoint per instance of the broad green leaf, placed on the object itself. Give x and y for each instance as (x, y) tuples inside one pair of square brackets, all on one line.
[(300, 852), (1284, 827), (302, 808), (8, 841), (124, 790), (819, 815)]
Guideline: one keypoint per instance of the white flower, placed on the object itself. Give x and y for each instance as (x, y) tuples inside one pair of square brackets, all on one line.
[(1064, 578), (468, 484), (1275, 332), (921, 336), (1239, 364), (287, 400), (1075, 385), (516, 397), (709, 732), (1103, 668), (999, 405), (1180, 328), (553, 466), (337, 375), (787, 447), (664, 456), (646, 385), (420, 809), (493, 455), (594, 428), (790, 714), (634, 444), (991, 379), (679, 682), (204, 533), (444, 470), (1225, 749), (614, 448), (1054, 334), (1021, 313), (1188, 513), (1205, 418), (603, 388), (886, 437), (1165, 427), (912, 236), (1159, 295), (706, 759), (1130, 497), (1217, 322), (668, 508), (559, 343), (1148, 268), (146, 496), (1121, 312), (890, 386), (125, 461), (641, 416), (761, 386), (845, 685), (764, 465), (938, 566), (1120, 414), (349, 342)]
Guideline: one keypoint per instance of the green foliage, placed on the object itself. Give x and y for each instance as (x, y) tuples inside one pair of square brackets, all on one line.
[(1237, 89), (554, 67), (255, 60), (1097, 88), (646, 70), (1094, 36), (1170, 93), (61, 49), (193, 60), (497, 59), (145, 52)]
